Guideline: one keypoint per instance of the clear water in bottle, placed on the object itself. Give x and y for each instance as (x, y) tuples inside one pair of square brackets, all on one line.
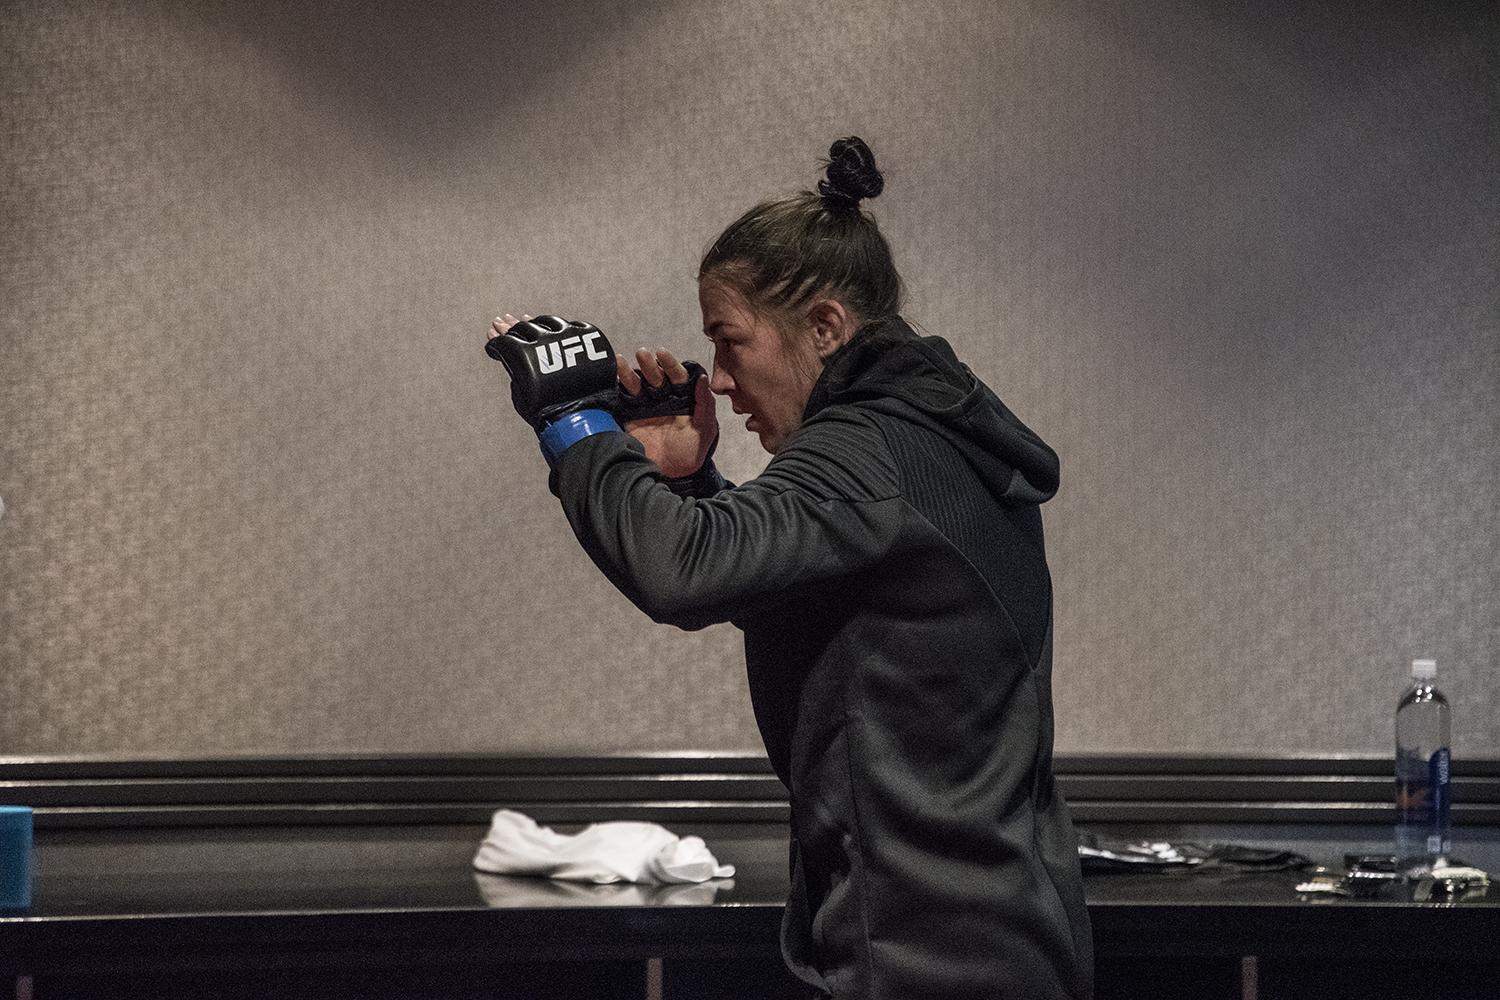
[(1423, 723)]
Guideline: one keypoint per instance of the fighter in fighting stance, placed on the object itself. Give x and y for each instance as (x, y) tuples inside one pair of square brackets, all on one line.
[(887, 570)]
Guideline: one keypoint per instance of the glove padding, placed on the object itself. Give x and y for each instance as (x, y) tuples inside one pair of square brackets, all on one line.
[(556, 367), (670, 399)]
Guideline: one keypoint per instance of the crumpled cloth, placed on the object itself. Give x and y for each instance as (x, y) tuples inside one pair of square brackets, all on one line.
[(511, 891), (602, 853)]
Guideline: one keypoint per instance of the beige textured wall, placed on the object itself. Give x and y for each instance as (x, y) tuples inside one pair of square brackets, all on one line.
[(266, 494)]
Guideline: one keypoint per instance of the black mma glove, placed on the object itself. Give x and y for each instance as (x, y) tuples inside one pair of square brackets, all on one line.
[(562, 379), (667, 400), (672, 399)]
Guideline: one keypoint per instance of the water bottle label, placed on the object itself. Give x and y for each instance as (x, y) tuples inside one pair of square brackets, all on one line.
[(1422, 788), (1437, 779)]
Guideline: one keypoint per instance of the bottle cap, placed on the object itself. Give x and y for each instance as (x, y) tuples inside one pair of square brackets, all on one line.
[(1424, 669)]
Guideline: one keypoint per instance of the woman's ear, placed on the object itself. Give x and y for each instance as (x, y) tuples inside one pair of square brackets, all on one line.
[(832, 325)]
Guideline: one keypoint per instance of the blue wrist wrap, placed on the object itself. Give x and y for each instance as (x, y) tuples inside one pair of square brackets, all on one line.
[(562, 434)]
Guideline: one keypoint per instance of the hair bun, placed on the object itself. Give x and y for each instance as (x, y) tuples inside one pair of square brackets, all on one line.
[(851, 174)]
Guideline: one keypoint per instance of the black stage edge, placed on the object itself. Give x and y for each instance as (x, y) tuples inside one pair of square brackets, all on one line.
[(336, 877)]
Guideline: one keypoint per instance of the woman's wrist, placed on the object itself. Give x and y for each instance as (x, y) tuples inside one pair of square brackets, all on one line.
[(704, 483)]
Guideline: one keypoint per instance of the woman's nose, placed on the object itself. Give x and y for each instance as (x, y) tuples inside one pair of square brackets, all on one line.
[(719, 382)]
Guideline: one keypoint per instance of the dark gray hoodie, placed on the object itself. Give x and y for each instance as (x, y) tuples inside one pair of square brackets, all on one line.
[(889, 574)]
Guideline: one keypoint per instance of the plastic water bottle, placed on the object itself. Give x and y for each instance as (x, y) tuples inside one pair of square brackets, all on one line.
[(1422, 762)]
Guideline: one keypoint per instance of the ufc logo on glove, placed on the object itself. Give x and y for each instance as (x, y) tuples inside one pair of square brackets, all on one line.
[(557, 355)]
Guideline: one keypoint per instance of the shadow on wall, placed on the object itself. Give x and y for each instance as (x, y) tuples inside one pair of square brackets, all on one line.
[(421, 73)]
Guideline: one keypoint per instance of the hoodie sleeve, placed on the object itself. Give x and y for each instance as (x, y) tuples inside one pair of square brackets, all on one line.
[(827, 505)]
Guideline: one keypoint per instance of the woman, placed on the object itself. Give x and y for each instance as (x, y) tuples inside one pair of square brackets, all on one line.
[(887, 569)]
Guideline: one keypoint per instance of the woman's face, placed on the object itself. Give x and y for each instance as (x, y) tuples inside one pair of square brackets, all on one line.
[(753, 366)]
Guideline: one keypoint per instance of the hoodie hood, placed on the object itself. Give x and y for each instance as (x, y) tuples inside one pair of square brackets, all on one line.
[(889, 368)]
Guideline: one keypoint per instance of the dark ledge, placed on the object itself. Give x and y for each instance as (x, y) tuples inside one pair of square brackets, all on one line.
[(716, 787)]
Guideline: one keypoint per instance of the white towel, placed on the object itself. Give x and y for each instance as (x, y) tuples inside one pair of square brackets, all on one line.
[(511, 891), (601, 853)]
